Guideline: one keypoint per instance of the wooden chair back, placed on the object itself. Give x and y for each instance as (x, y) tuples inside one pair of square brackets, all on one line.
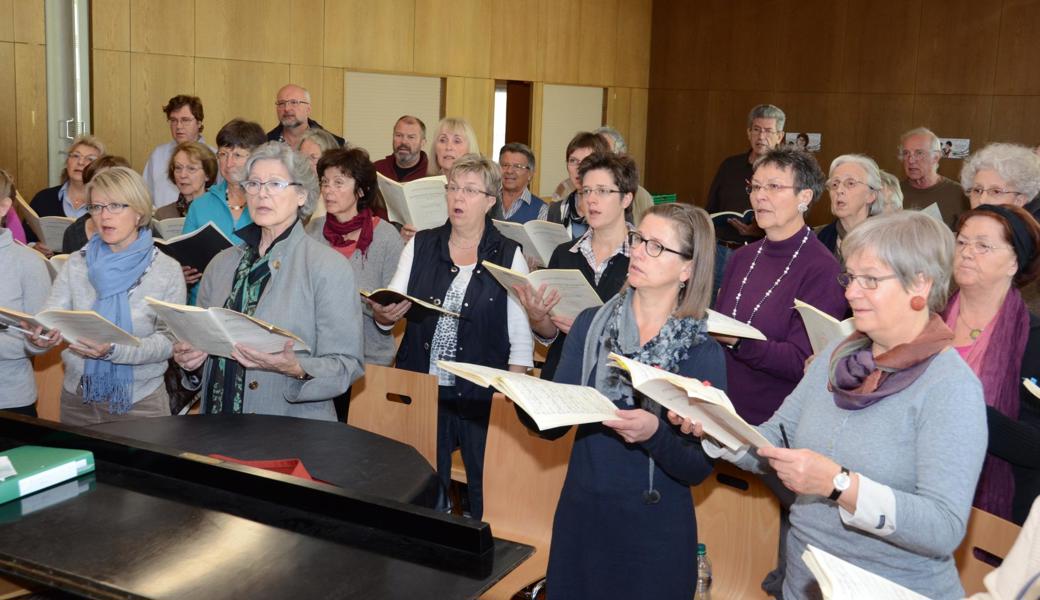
[(738, 519), (523, 478), (50, 373), (398, 404), (986, 532)]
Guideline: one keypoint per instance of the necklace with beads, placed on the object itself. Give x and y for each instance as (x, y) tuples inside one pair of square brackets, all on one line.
[(769, 292)]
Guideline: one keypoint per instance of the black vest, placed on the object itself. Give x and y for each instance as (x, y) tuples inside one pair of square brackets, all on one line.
[(483, 336)]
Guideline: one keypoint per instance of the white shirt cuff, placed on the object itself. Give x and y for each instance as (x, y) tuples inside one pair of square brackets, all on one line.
[(875, 509)]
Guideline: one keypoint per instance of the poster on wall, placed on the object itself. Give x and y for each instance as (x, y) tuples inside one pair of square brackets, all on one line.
[(804, 141), (956, 148)]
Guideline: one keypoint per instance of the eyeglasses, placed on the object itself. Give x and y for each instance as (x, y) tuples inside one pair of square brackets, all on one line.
[(848, 184), (76, 156), (654, 248), (867, 282), (237, 155), (292, 103), (915, 154), (181, 121), (978, 247), (980, 192), (597, 192), (253, 187), (768, 188), (114, 208), (757, 131), (515, 166), (339, 184), (573, 162), (190, 169), (467, 192)]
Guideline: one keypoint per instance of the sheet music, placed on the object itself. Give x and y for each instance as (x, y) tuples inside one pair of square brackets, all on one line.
[(427, 203), (842, 580), (720, 324), (821, 327), (53, 229)]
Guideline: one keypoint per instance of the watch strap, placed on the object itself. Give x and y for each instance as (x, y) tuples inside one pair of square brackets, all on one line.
[(836, 493)]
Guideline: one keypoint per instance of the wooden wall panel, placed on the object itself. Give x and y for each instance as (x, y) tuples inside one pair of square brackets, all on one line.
[(31, 111), (112, 107), (813, 34), (161, 27), (957, 52), (239, 89), (880, 46), (8, 112), (634, 19), (537, 98), (28, 22), (742, 44), (313, 79), (306, 32), (1014, 119), (597, 54), (110, 24), (473, 100), (518, 40), (681, 61), (377, 36), (7, 22), (562, 25), (455, 41), (626, 112), (676, 164), (252, 30), (154, 79), (1016, 71), (332, 100), (955, 116)]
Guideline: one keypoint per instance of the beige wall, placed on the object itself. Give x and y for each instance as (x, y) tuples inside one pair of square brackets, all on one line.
[(235, 54), (23, 101)]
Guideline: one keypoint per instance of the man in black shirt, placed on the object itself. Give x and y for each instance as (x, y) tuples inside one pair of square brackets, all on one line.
[(765, 131)]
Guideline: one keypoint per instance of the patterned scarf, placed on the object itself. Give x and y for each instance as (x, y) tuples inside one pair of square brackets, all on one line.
[(113, 275)]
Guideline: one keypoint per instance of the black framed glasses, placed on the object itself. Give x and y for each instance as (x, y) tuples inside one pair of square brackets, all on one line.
[(653, 247)]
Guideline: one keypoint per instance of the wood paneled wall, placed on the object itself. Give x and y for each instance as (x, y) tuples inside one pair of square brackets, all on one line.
[(23, 105), (235, 54), (859, 71)]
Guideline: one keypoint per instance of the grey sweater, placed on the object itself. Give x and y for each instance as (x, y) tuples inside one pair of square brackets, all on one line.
[(25, 288), (372, 272), (924, 446), (163, 281)]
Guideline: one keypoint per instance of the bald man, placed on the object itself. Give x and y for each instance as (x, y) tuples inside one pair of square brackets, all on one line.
[(293, 107)]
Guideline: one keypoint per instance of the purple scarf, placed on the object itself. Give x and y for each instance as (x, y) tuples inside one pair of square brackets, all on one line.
[(998, 366), (859, 379)]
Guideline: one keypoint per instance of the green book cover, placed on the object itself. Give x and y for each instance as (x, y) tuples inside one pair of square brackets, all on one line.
[(39, 467)]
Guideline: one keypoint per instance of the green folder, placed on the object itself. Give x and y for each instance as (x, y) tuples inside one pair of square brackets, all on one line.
[(39, 467)]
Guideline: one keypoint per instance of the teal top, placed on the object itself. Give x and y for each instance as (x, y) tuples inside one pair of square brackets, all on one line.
[(212, 206)]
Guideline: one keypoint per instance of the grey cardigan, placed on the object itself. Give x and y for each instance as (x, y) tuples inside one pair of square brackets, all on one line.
[(372, 272), (25, 288), (163, 280), (312, 294)]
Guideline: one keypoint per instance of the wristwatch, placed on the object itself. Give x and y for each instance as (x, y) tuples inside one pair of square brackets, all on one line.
[(842, 481)]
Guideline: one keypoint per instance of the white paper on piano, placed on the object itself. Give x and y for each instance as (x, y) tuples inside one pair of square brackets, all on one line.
[(842, 580), (720, 324), (549, 404), (688, 397), (821, 327)]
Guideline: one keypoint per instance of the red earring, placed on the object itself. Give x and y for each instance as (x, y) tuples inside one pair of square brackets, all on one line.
[(918, 303)]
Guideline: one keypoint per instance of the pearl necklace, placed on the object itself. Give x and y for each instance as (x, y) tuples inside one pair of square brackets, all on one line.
[(740, 291)]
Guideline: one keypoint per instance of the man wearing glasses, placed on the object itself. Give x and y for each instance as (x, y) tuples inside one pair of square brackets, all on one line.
[(184, 114), (519, 205), (765, 130), (293, 108), (919, 151)]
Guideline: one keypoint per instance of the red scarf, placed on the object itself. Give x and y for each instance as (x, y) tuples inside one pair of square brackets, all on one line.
[(335, 231)]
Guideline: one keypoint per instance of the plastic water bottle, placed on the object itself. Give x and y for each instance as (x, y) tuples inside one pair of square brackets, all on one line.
[(703, 574)]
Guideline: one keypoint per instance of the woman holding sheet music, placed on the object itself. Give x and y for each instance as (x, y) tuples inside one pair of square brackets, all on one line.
[(26, 286), (608, 185), (625, 524), (443, 266), (112, 276), (282, 276), (997, 255), (70, 198), (884, 438)]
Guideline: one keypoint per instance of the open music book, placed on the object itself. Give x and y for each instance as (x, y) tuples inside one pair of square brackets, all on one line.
[(691, 398), (549, 404), (720, 324), (932, 210), (168, 229), (842, 580), (539, 238), (217, 330), (54, 264), (575, 292), (421, 203), (74, 325), (49, 230), (821, 327), (196, 248), (420, 308)]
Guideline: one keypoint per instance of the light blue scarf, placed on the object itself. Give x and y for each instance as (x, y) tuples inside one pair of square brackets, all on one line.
[(113, 274)]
